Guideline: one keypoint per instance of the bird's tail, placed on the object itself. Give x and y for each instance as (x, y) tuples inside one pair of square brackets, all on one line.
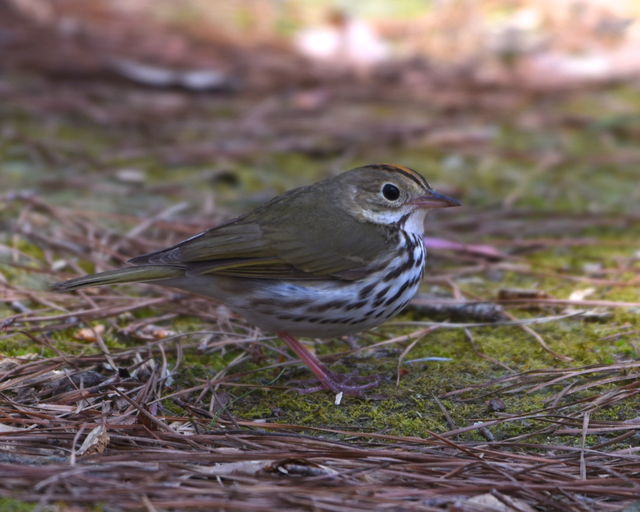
[(140, 273)]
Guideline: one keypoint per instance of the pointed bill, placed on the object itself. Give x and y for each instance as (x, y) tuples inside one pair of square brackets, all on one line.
[(434, 199)]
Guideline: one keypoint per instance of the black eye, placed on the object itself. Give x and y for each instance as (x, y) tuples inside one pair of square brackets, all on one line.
[(390, 192)]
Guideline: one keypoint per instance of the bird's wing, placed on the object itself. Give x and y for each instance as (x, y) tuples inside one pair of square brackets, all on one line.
[(271, 243)]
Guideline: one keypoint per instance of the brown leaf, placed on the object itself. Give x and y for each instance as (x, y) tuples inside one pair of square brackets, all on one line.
[(95, 442), (89, 334)]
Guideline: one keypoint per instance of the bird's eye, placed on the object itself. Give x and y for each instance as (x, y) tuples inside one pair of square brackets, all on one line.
[(390, 192)]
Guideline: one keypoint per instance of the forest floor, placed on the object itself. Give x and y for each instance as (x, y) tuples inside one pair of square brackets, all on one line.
[(510, 382)]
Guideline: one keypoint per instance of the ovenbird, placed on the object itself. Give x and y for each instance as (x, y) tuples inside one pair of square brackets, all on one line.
[(333, 258)]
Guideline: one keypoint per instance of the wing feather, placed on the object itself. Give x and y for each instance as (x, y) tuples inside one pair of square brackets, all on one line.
[(273, 243)]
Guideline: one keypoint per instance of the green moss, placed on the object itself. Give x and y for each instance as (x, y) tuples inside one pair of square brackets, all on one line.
[(588, 177), (410, 409), (12, 505)]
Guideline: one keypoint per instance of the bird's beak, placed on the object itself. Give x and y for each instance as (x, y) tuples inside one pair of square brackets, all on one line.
[(435, 200)]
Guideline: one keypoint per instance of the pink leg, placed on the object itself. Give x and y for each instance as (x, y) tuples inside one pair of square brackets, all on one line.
[(328, 380)]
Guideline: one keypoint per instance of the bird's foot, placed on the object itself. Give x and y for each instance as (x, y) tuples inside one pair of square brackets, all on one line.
[(349, 384)]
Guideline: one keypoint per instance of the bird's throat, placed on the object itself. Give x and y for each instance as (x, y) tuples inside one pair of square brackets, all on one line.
[(415, 222)]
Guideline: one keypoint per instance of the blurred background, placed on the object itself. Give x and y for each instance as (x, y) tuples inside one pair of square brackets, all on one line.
[(128, 125), (528, 103)]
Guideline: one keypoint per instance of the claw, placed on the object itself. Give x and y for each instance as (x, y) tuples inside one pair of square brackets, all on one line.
[(347, 384), (351, 384)]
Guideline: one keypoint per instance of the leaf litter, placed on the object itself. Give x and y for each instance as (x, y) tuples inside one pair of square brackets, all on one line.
[(86, 428), (91, 414)]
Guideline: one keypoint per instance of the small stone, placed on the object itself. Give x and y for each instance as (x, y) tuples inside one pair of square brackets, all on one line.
[(496, 405), (593, 268), (130, 175)]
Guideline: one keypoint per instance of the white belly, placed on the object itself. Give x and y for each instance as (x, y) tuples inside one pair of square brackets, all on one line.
[(315, 308)]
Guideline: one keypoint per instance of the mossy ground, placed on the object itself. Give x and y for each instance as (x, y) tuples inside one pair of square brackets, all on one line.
[(74, 162)]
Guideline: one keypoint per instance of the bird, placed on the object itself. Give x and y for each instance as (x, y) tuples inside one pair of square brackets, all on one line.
[(330, 259)]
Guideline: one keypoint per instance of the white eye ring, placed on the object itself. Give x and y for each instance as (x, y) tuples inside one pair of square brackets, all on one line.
[(390, 192)]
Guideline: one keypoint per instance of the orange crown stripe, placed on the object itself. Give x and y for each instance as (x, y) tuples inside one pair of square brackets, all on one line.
[(408, 171)]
